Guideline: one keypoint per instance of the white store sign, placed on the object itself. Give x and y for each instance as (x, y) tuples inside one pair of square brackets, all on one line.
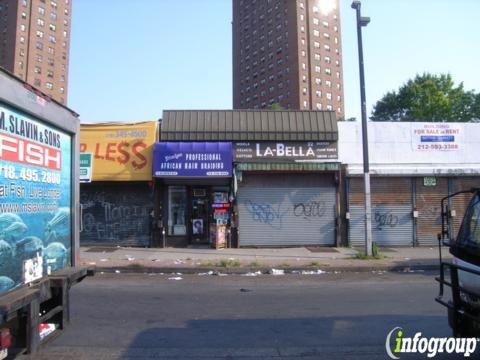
[(434, 137)]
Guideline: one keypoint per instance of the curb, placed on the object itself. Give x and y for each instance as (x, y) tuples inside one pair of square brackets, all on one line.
[(138, 269)]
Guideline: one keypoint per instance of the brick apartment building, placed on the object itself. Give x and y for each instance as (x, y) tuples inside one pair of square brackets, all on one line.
[(287, 52), (35, 43)]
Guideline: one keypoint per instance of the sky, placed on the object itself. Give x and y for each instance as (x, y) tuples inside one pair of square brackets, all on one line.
[(130, 60)]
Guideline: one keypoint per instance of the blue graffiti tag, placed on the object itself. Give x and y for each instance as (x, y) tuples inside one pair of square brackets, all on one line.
[(266, 214)]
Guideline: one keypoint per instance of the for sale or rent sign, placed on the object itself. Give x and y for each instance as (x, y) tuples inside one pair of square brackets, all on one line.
[(437, 136)]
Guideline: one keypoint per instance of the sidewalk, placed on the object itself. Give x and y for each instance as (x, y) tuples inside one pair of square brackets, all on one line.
[(193, 260)]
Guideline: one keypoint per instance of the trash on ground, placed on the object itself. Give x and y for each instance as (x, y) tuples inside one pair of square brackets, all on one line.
[(178, 262), (129, 258), (407, 259), (256, 273), (103, 260), (277, 272), (245, 290), (205, 273), (117, 271), (313, 272), (175, 278)]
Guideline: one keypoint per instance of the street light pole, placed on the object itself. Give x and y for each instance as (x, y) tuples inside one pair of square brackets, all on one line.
[(363, 21)]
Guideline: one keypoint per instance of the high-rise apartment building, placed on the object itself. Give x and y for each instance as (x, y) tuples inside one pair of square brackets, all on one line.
[(35, 43), (287, 52)]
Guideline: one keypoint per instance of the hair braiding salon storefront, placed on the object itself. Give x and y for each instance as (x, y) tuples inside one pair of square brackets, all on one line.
[(193, 193)]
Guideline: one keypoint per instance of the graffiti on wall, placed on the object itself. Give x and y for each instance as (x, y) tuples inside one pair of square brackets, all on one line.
[(273, 213), (115, 219), (385, 219)]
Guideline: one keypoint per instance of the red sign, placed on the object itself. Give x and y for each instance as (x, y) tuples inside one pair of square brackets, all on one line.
[(26, 152)]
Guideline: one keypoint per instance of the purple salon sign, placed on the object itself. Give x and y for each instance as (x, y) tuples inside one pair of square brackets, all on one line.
[(192, 159)]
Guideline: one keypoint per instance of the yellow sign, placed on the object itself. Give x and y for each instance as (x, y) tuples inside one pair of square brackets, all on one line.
[(121, 152)]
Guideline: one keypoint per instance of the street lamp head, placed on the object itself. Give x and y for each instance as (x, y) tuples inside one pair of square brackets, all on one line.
[(356, 4), (364, 20)]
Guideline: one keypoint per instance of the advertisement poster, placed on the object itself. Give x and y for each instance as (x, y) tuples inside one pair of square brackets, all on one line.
[(437, 136), (35, 199), (284, 151), (192, 159), (121, 152)]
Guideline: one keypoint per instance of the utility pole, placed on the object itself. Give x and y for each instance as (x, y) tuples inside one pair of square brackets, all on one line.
[(361, 22)]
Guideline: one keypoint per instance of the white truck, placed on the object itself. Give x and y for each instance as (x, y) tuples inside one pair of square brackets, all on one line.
[(462, 275), (39, 217)]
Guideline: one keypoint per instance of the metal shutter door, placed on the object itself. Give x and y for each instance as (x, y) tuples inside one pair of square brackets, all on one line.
[(286, 210), (116, 214), (429, 221), (460, 202), (392, 222)]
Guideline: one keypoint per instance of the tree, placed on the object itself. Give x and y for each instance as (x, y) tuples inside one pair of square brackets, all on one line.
[(276, 106), (428, 98)]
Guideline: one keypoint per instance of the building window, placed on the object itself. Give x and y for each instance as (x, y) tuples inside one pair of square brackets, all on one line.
[(304, 78), (329, 96), (24, 15), (22, 52), (329, 107), (177, 200), (50, 73), (305, 104), (51, 50), (318, 81), (37, 82), (52, 39), (51, 61), (304, 66), (40, 22), (327, 59), (302, 17), (304, 91), (39, 45), (302, 29), (39, 58), (328, 71), (20, 64), (304, 53), (53, 16), (326, 47), (52, 27), (326, 35), (22, 39), (22, 27), (38, 70), (24, 2), (49, 85), (41, 10), (315, 21), (316, 44), (319, 106), (317, 56), (39, 34), (316, 33), (318, 93), (328, 83), (325, 24), (339, 98)]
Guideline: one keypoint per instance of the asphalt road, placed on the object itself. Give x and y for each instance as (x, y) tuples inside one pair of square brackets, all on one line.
[(328, 316)]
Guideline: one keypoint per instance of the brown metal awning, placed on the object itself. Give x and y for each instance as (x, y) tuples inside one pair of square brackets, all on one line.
[(248, 125)]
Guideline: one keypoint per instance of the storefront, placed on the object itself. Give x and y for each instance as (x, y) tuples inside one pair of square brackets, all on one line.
[(193, 181), (412, 167), (282, 190), (117, 201)]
